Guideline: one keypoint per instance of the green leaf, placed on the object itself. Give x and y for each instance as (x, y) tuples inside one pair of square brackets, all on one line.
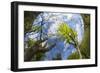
[(66, 32)]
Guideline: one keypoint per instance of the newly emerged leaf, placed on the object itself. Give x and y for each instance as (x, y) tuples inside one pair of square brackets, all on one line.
[(66, 32)]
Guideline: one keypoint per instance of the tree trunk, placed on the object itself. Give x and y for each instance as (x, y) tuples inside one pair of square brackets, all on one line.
[(79, 52)]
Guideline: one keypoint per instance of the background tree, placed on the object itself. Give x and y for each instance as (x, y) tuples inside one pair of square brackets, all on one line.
[(35, 49)]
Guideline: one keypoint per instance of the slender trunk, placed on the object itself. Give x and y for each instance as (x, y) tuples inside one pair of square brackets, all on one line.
[(78, 49), (79, 52)]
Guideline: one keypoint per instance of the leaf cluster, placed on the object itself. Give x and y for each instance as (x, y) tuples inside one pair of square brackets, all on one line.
[(67, 33)]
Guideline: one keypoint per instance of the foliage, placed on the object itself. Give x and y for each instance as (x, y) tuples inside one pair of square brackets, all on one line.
[(70, 36), (85, 44), (84, 47), (86, 19), (74, 55), (36, 28), (31, 42), (66, 32), (28, 19), (38, 56)]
